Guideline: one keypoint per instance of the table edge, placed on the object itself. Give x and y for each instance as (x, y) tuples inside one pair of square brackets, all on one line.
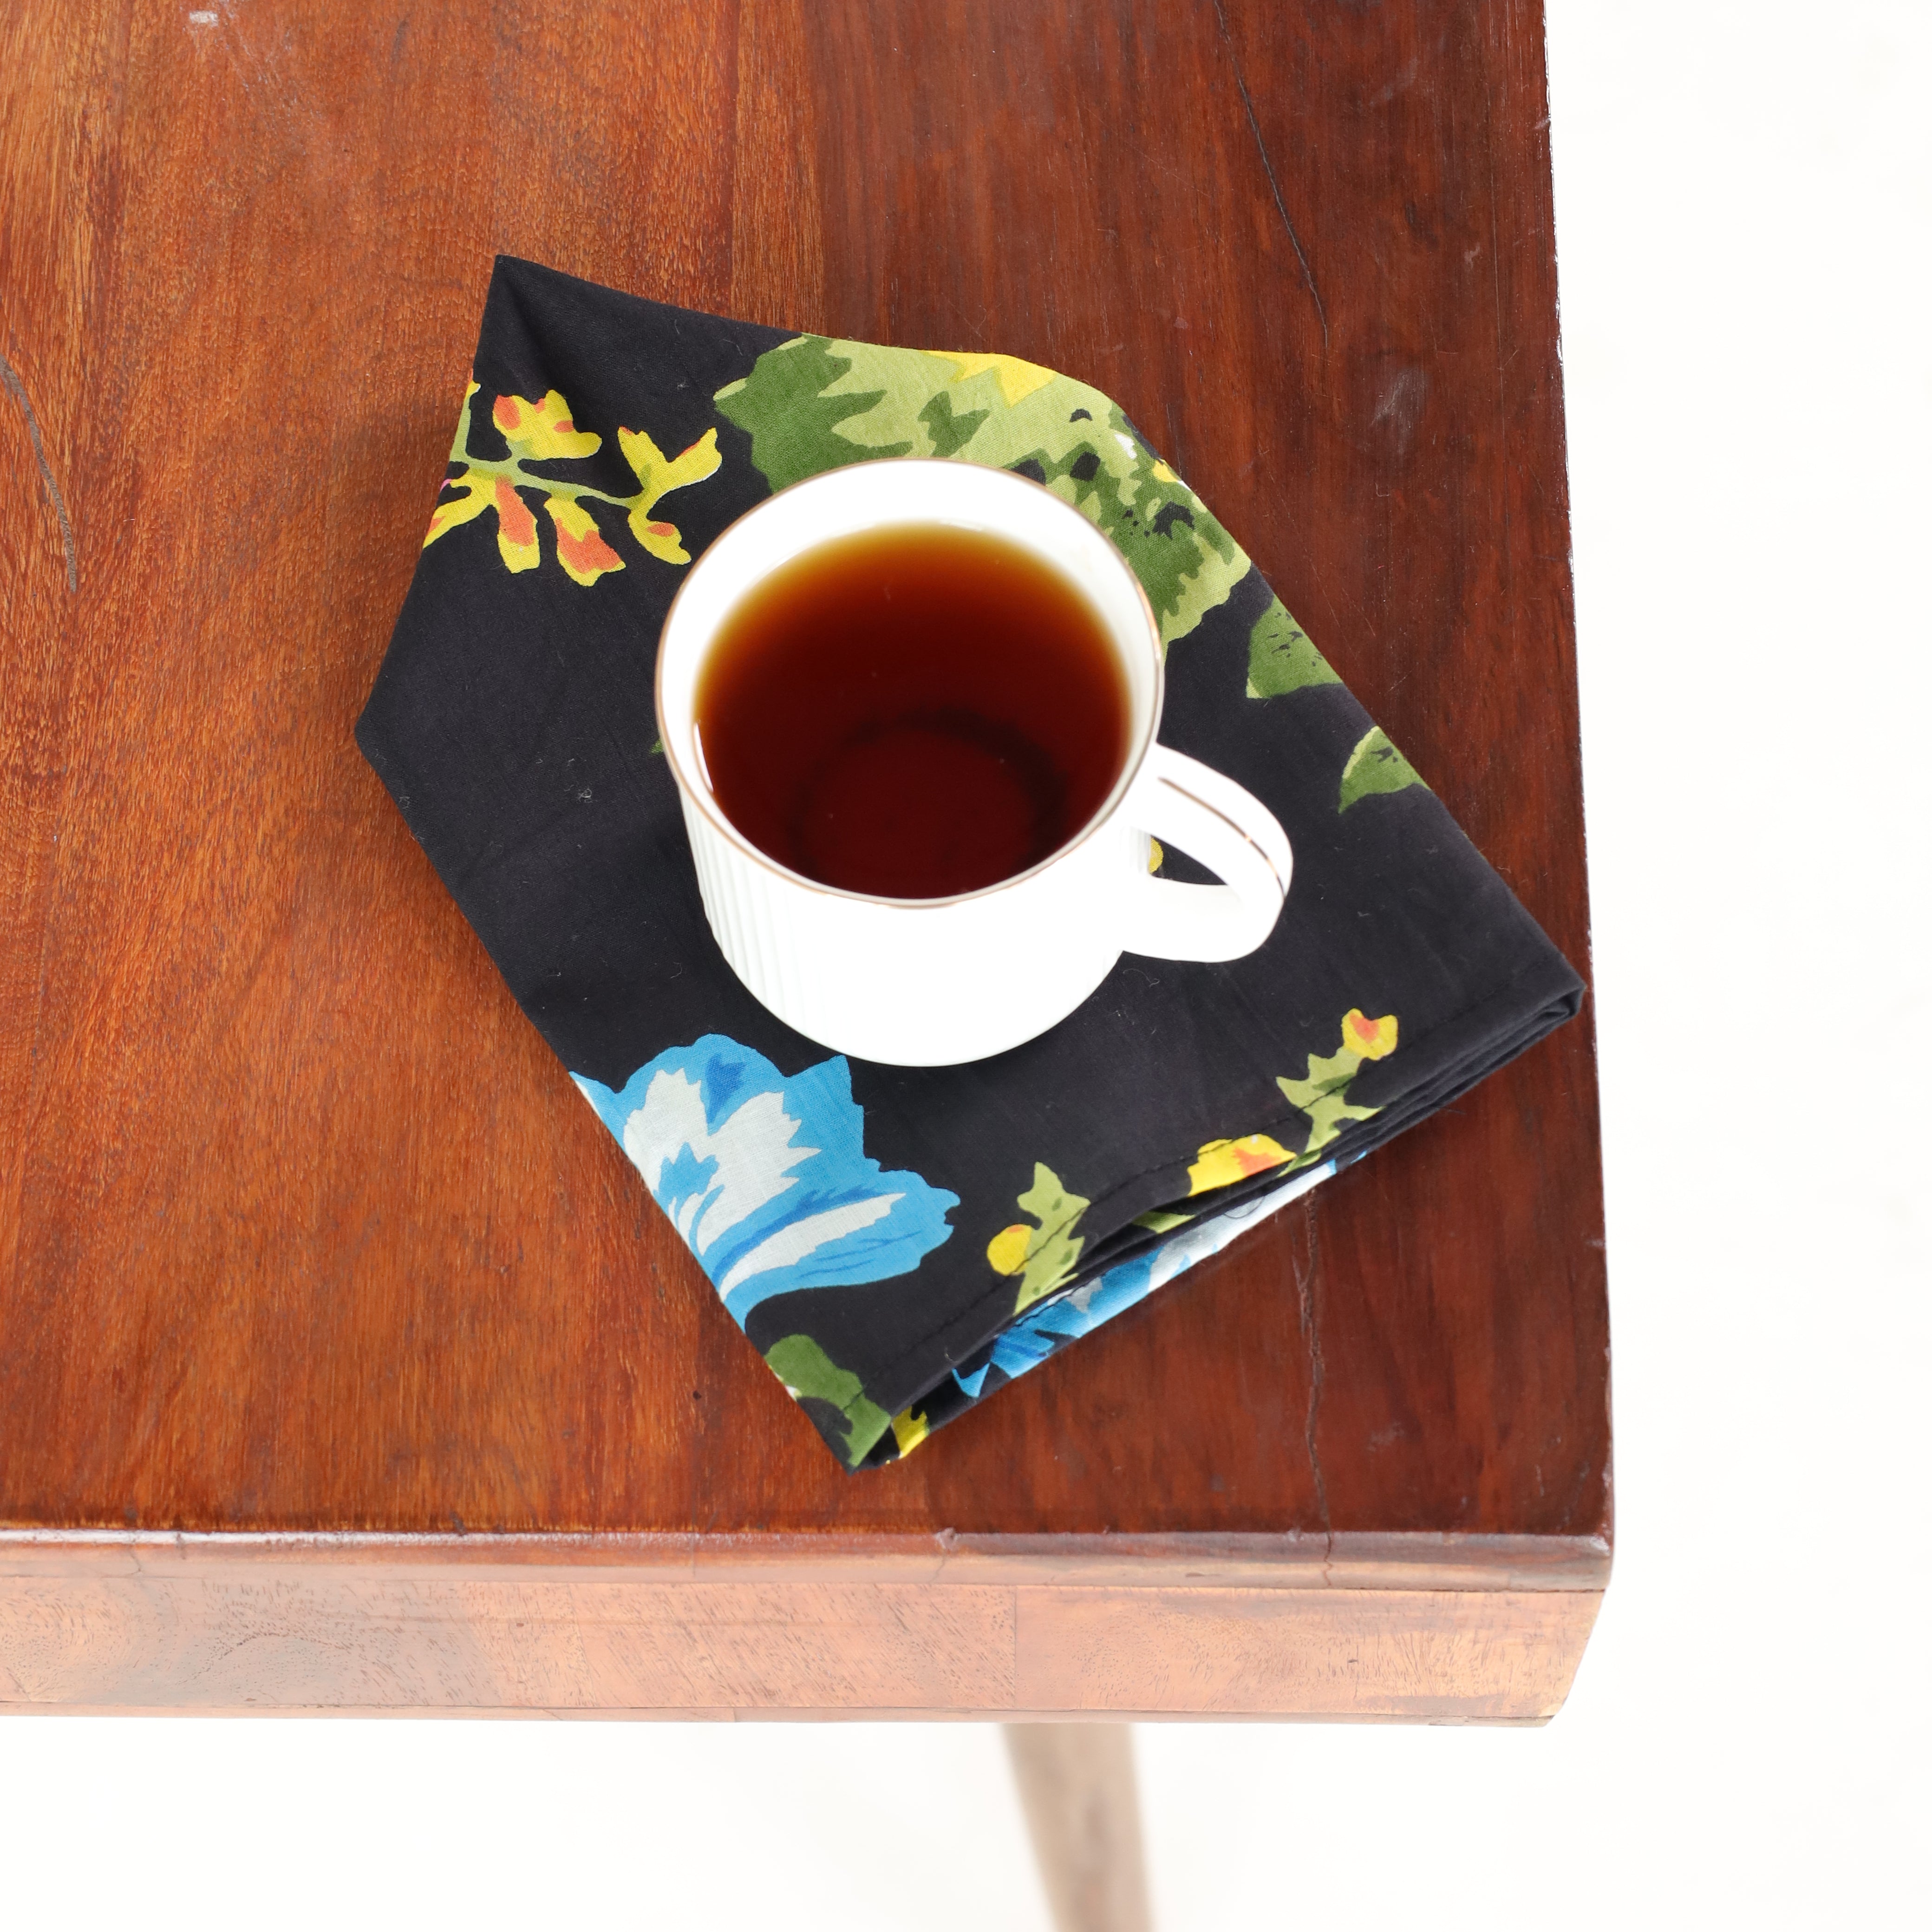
[(1344, 1561)]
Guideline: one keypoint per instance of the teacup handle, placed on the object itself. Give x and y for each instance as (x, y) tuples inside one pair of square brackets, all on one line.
[(1183, 802)]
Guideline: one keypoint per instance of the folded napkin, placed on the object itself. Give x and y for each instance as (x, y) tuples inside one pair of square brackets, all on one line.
[(898, 1242)]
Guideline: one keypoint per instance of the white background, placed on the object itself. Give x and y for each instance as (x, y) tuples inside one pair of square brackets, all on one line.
[(1744, 199)]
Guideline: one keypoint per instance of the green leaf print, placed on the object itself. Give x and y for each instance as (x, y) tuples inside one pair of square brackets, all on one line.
[(1043, 1256), (1323, 1096), (1281, 659), (804, 1369), (949, 433), (1159, 1221), (812, 404), (1376, 766), (792, 410)]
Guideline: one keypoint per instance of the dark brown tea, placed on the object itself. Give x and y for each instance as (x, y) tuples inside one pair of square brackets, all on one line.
[(913, 712)]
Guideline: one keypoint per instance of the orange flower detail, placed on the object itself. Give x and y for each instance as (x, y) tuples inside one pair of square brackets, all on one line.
[(516, 528), (542, 431), (1373, 1040), (1223, 1162), (580, 548)]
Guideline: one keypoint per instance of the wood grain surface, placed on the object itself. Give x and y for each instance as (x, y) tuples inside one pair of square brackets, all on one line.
[(535, 1627), (301, 1228)]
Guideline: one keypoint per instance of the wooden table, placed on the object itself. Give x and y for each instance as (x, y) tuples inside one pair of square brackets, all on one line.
[(344, 1364)]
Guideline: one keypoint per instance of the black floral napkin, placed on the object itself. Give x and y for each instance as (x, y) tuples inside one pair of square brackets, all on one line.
[(898, 1242)]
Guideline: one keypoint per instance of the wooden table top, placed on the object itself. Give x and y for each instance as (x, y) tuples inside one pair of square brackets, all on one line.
[(302, 1229)]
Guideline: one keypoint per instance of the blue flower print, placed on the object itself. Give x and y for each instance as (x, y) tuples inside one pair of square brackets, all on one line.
[(767, 1177), (1029, 1342)]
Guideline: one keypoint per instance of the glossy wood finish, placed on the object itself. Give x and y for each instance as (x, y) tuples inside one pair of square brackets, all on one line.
[(301, 1229)]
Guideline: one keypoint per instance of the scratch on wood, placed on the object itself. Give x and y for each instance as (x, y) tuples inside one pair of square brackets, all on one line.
[(1496, 294), (1401, 407), (1268, 167), (18, 391), (1306, 1283)]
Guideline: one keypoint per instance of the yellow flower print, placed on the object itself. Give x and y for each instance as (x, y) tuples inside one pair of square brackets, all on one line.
[(580, 548), (1321, 1094), (1224, 1161), (1017, 380), (1373, 1040), (540, 432), (659, 476), (476, 495), (1044, 1255), (516, 528), (544, 431), (1007, 1249)]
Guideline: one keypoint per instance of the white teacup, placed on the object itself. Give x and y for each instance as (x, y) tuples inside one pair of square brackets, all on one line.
[(931, 983)]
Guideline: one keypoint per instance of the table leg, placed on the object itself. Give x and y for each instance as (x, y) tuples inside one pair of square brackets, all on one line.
[(1076, 1783)]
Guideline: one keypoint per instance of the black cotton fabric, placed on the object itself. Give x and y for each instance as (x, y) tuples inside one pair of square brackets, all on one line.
[(899, 1243)]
